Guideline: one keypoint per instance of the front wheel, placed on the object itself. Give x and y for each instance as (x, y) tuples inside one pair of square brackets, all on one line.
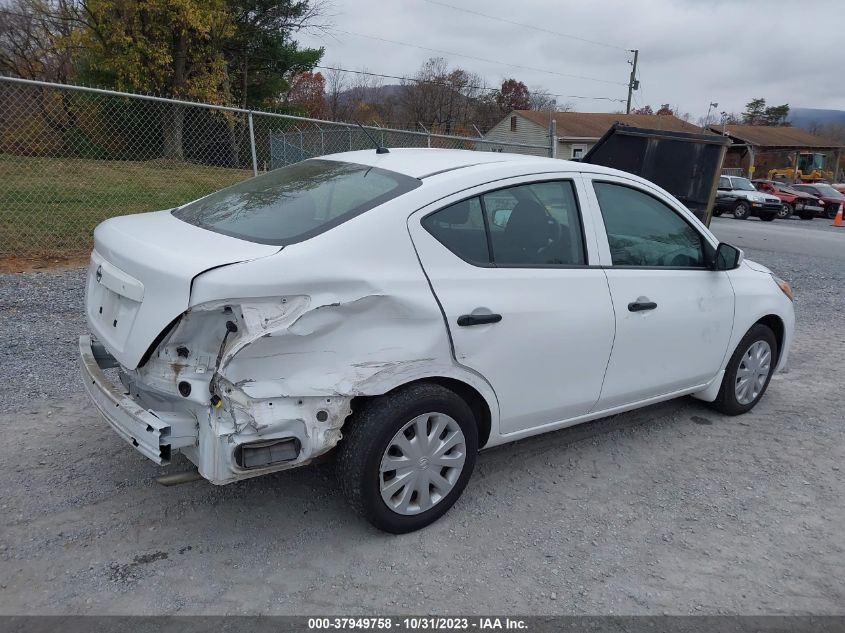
[(786, 211), (407, 456), (807, 216), (768, 217), (748, 372), (741, 211)]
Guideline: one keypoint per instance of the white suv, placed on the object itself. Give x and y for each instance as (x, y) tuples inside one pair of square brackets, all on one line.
[(404, 310), (746, 200)]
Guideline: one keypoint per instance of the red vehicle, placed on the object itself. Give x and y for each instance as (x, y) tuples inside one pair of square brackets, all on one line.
[(805, 205), (831, 198)]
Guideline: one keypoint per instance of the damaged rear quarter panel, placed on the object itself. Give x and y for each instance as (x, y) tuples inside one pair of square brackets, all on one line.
[(360, 319), (370, 321)]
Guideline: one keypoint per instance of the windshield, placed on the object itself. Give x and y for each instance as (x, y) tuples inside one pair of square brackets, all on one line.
[(743, 184), (828, 191), (296, 202)]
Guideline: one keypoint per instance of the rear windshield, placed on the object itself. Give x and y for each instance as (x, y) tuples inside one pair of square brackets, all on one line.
[(296, 202)]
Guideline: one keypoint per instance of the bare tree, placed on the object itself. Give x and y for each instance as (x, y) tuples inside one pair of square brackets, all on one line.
[(448, 100), (35, 39), (336, 84)]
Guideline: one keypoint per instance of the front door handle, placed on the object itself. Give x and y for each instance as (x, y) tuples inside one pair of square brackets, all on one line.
[(640, 306), (478, 319)]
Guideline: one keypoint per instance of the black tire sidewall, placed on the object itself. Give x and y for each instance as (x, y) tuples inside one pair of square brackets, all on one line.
[(393, 416), (768, 217), (726, 400), (742, 211)]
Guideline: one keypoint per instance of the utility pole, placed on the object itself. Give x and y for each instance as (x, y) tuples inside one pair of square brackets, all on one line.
[(633, 84)]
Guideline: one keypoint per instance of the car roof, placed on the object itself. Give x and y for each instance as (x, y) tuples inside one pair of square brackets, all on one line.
[(424, 163)]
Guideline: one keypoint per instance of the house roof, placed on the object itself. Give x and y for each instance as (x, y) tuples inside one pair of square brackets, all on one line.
[(595, 124), (777, 136)]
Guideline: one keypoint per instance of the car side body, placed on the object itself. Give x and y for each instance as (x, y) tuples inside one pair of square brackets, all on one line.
[(805, 205), (829, 196), (251, 357)]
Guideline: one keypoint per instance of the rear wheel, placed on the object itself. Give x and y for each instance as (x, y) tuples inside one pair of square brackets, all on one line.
[(786, 211), (717, 212), (407, 456), (768, 217), (832, 209), (748, 372), (806, 215), (741, 210)]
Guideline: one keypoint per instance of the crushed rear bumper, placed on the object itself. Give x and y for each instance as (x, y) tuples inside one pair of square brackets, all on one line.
[(154, 434)]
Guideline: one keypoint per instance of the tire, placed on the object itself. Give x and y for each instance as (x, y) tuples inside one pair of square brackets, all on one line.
[(741, 211), (768, 217), (371, 436), (727, 401), (831, 211), (717, 212), (786, 211), (807, 216)]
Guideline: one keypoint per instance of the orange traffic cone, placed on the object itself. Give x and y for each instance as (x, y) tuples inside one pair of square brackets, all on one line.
[(838, 220)]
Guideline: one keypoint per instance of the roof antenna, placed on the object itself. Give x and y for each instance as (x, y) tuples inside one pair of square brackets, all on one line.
[(379, 148)]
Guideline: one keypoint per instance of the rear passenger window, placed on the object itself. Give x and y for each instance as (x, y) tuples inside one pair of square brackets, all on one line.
[(535, 225), (529, 225), (460, 228)]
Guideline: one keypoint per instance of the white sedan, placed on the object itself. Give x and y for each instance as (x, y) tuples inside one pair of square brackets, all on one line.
[(400, 311)]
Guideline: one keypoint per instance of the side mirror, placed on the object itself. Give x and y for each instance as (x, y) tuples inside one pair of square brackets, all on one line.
[(727, 257)]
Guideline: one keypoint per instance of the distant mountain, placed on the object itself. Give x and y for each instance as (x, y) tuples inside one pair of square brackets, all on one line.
[(377, 94), (808, 117)]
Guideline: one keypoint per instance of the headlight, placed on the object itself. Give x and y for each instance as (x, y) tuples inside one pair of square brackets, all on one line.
[(784, 286)]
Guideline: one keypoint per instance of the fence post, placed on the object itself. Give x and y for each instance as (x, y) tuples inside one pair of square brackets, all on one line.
[(552, 139), (252, 144), (350, 138), (427, 134)]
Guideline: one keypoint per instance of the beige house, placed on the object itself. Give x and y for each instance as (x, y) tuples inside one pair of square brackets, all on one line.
[(576, 132)]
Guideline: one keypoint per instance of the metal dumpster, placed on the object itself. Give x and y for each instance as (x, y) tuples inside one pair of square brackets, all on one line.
[(686, 165)]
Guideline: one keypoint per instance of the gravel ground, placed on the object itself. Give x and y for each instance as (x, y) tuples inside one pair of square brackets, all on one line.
[(670, 509)]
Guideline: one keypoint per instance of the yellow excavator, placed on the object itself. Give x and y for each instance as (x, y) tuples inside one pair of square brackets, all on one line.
[(810, 169)]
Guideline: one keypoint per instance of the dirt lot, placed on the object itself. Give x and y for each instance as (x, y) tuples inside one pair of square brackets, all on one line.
[(671, 509)]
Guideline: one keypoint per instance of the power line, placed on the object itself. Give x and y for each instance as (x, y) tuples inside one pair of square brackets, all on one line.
[(527, 26), (399, 77), (482, 59), (444, 84)]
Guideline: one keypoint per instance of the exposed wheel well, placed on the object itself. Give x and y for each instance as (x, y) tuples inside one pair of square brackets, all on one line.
[(469, 394), (774, 323)]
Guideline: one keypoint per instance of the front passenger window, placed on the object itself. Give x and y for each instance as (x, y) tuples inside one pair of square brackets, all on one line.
[(643, 231)]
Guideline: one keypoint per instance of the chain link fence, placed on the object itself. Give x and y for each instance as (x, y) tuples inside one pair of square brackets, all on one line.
[(71, 156)]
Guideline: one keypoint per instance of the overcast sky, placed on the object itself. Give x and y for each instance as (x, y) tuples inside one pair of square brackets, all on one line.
[(692, 52)]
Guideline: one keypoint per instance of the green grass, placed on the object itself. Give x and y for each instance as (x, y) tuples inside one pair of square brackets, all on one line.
[(51, 205)]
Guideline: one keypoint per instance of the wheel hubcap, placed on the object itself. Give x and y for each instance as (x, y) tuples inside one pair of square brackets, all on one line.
[(785, 212), (422, 463), (752, 372)]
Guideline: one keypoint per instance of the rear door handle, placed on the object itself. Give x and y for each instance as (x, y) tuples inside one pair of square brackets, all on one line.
[(640, 306), (478, 319)]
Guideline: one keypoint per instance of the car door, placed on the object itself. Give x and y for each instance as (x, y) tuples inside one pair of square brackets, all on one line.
[(674, 315), (510, 266)]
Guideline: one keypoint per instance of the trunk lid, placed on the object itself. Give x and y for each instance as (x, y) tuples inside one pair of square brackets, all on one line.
[(140, 275)]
